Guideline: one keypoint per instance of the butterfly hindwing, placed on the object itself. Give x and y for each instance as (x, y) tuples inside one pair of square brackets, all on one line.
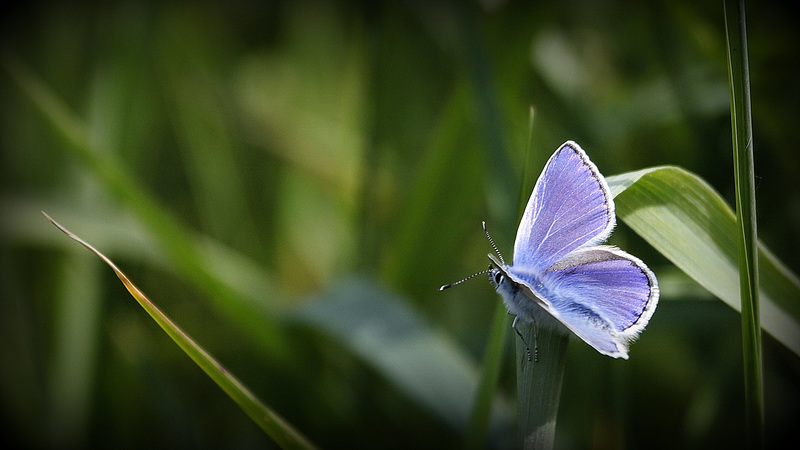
[(602, 294)]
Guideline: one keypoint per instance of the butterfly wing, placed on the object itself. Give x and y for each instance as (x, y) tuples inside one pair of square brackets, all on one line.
[(570, 207), (602, 294)]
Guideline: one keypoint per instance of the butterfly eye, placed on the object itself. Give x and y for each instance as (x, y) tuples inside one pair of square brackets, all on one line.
[(498, 278)]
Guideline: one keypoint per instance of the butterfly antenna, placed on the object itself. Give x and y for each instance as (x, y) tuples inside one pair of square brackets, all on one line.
[(445, 286), (491, 241)]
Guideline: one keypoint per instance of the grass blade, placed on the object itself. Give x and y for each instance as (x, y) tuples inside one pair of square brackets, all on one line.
[(744, 182), (539, 386), (194, 258), (275, 426)]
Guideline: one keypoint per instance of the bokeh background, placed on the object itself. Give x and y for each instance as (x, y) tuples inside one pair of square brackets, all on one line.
[(244, 160)]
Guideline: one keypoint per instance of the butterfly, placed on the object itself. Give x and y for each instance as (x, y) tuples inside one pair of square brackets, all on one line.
[(561, 275)]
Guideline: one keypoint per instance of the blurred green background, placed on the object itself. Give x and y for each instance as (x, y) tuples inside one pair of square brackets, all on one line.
[(292, 182)]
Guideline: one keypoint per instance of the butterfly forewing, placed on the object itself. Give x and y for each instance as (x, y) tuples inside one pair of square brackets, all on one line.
[(571, 207)]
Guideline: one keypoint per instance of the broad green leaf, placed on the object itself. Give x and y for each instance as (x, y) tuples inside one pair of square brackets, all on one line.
[(688, 222), (274, 425)]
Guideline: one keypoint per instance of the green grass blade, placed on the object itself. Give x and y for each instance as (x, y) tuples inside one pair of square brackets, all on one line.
[(539, 386), (689, 223), (744, 182), (195, 259), (528, 174), (274, 425)]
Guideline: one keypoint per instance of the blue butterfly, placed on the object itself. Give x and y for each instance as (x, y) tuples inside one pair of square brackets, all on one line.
[(560, 271)]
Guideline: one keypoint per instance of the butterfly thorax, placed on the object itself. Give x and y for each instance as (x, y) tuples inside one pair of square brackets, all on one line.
[(520, 300)]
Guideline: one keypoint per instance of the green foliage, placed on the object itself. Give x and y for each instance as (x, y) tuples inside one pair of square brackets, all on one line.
[(689, 223), (275, 426), (292, 182)]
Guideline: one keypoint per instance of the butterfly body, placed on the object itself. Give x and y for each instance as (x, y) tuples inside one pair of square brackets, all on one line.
[(561, 277), (524, 301)]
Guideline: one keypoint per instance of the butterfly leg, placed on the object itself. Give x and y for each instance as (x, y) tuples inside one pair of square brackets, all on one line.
[(535, 343), (527, 348)]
